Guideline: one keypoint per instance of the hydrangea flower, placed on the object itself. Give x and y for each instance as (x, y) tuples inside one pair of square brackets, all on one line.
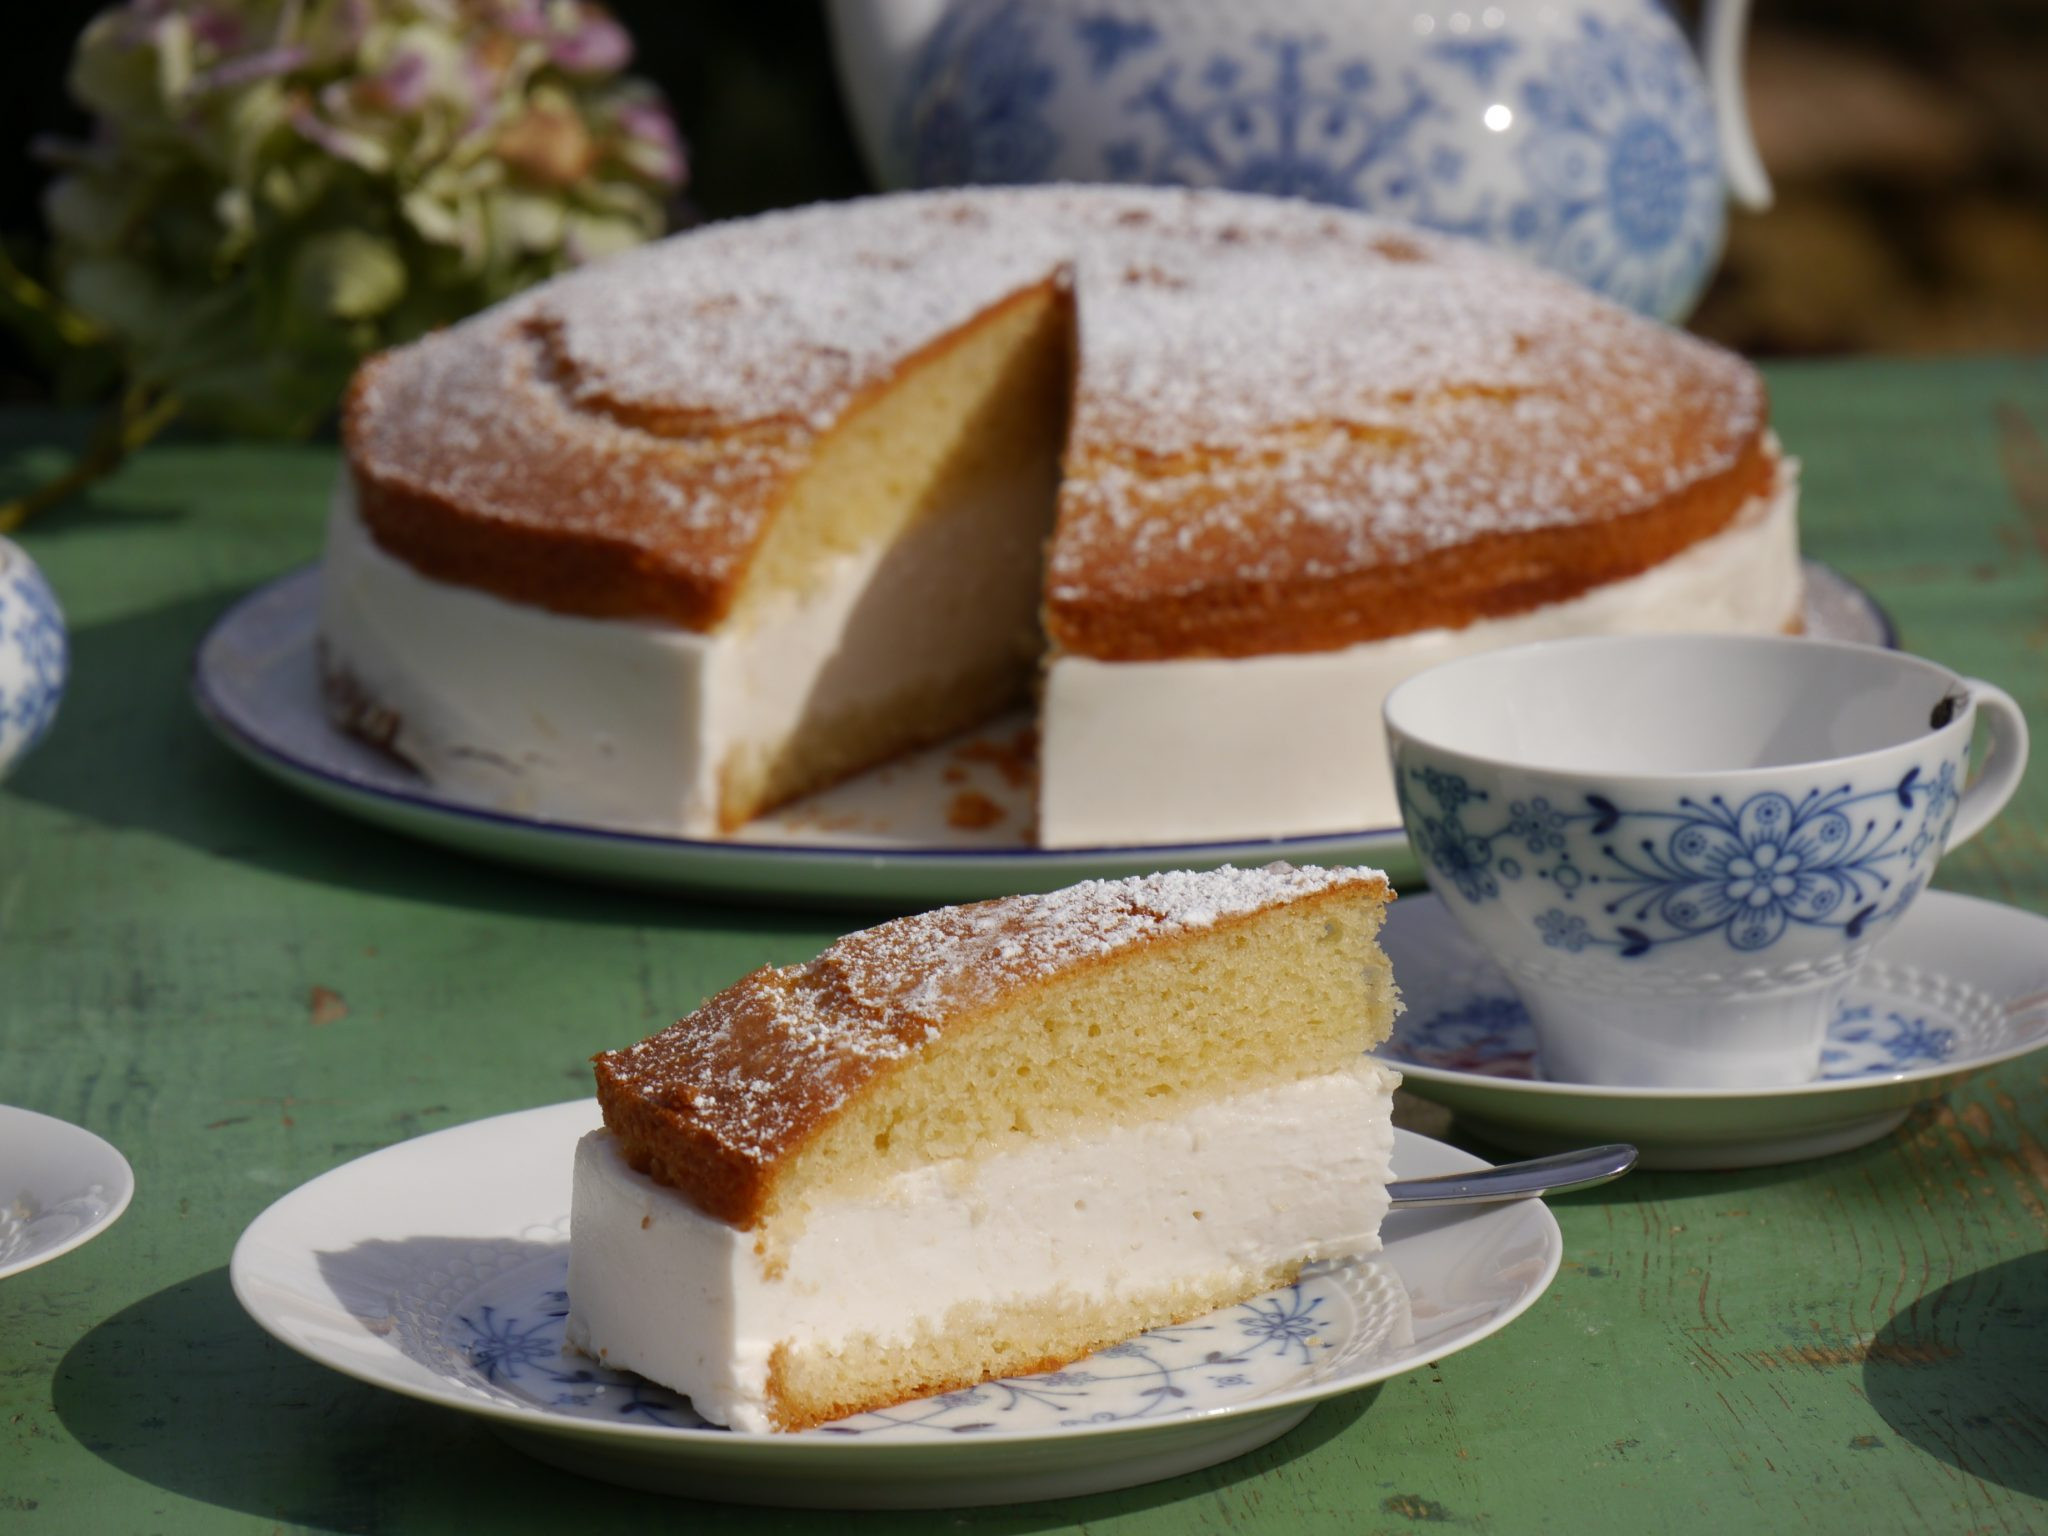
[(274, 188)]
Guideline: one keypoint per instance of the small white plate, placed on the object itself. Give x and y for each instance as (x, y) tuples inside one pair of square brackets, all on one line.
[(435, 1268), (59, 1186), (883, 837), (1958, 986)]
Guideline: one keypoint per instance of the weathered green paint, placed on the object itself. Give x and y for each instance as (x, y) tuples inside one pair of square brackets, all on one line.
[(242, 990)]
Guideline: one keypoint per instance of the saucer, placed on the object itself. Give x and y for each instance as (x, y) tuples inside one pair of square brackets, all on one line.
[(59, 1186), (1959, 986)]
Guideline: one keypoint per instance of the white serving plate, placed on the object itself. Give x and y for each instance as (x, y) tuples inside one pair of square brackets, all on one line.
[(435, 1268), (882, 838), (60, 1186)]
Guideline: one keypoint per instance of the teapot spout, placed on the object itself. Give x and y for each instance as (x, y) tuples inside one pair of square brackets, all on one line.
[(874, 43), (1727, 29)]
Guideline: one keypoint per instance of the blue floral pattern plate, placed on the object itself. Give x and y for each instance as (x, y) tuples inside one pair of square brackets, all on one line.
[(1958, 987), (883, 837), (437, 1268)]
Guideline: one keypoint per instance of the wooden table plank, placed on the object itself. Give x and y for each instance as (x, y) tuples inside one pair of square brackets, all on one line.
[(243, 990)]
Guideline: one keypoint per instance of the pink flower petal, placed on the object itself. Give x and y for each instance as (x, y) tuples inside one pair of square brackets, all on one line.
[(264, 65), (597, 46)]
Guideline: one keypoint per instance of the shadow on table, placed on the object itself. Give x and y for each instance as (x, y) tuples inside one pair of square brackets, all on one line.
[(183, 1391), (129, 751), (1960, 1373)]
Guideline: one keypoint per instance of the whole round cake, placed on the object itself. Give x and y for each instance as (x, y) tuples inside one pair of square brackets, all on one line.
[(682, 536)]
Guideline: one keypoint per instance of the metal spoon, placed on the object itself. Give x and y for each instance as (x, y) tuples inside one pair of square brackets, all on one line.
[(1517, 1181)]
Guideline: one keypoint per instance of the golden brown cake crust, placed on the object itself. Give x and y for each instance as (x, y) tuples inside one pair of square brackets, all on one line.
[(714, 1104), (492, 457), (1293, 428), (1216, 594)]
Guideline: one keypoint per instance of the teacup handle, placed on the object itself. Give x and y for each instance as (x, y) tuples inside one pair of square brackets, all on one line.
[(2004, 761)]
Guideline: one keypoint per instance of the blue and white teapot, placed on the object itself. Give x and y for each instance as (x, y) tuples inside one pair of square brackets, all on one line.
[(1579, 133)]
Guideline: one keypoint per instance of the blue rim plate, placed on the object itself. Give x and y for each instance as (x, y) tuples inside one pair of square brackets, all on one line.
[(254, 682), (434, 1268)]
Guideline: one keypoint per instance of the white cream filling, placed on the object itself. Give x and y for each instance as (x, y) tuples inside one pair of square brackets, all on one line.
[(1229, 1188), (625, 723), (1288, 745)]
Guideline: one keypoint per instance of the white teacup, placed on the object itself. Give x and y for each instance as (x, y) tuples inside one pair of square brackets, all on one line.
[(1681, 847)]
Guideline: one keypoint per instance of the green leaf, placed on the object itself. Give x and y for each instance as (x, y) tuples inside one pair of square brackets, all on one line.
[(121, 294), (93, 211), (126, 80)]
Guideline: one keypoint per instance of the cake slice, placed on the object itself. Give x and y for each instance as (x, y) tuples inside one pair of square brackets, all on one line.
[(988, 1140)]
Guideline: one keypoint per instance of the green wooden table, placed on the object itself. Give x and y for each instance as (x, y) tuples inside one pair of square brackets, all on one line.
[(242, 990)]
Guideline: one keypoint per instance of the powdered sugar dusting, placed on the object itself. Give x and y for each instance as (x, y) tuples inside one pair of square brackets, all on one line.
[(786, 317), (1264, 387), (760, 1064)]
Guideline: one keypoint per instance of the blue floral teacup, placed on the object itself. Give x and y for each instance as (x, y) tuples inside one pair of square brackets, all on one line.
[(33, 655), (1680, 848)]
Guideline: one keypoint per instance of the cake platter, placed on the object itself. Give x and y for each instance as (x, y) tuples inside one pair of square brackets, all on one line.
[(436, 1268), (946, 825), (60, 1185), (1959, 986)]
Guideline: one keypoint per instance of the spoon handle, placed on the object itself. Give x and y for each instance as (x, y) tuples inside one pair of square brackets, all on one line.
[(1517, 1181)]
